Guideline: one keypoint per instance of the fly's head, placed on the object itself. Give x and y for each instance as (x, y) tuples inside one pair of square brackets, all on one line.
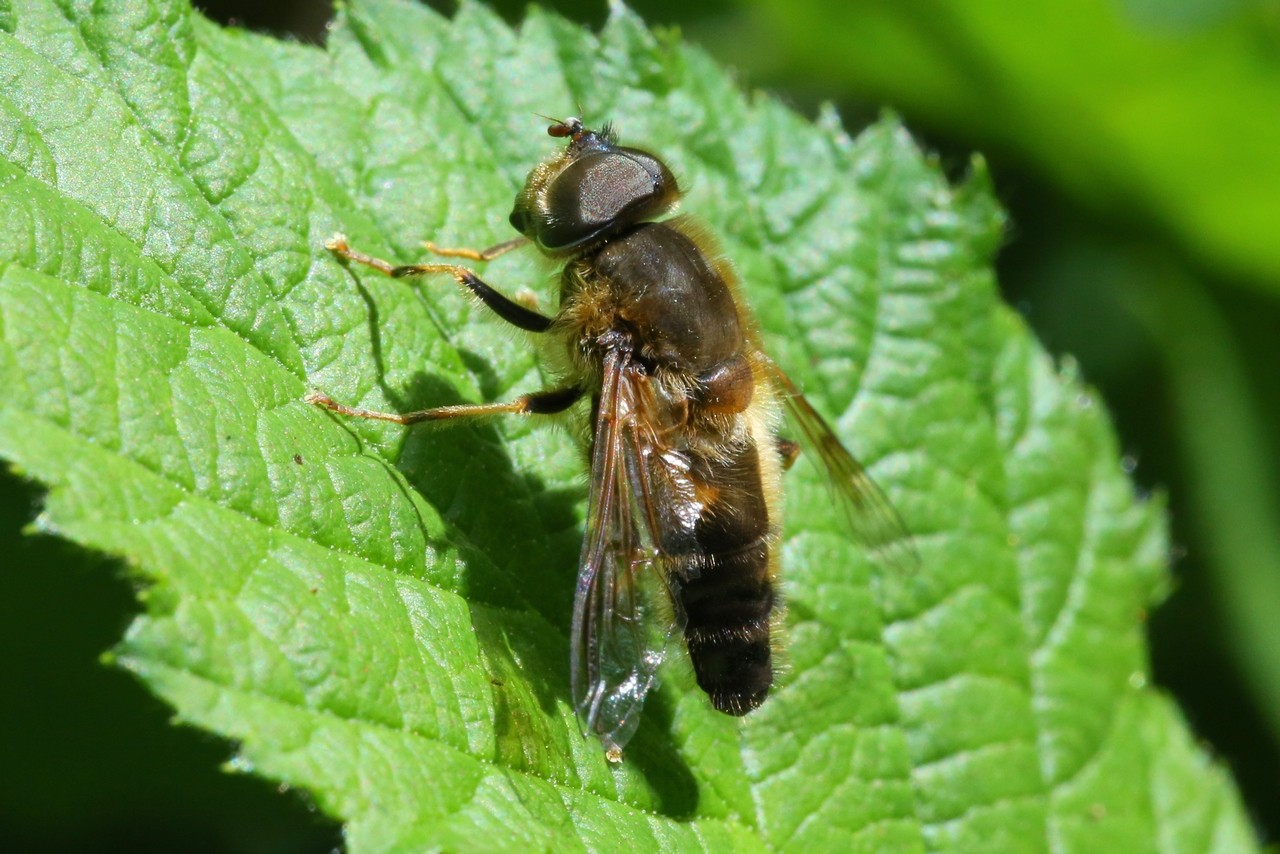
[(589, 190)]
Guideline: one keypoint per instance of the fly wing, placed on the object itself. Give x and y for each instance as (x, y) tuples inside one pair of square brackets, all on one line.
[(874, 523), (617, 644)]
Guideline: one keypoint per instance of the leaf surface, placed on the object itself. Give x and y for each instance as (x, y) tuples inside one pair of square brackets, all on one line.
[(379, 616)]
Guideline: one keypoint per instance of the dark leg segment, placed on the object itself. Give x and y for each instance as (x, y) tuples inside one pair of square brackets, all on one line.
[(546, 402), (789, 450), (507, 309)]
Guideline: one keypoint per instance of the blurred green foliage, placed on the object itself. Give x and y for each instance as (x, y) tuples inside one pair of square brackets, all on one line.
[(1150, 111), (1134, 143)]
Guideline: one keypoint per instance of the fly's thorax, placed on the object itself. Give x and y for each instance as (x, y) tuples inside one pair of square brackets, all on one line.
[(653, 291), (670, 297)]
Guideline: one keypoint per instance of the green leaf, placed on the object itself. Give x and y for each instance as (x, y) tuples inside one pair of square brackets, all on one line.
[(379, 616)]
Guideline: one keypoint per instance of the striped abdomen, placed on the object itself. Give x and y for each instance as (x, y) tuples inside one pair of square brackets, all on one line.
[(726, 587)]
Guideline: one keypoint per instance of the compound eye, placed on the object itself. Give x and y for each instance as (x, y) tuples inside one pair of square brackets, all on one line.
[(604, 186), (601, 191)]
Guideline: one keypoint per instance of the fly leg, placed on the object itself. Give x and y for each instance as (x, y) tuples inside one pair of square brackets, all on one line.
[(788, 450), (503, 306), (546, 402), (525, 297), (476, 254)]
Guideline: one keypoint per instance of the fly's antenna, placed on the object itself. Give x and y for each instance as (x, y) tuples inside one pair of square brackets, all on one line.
[(570, 127)]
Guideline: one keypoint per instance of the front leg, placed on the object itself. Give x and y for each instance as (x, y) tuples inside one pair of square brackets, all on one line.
[(508, 309), (489, 254)]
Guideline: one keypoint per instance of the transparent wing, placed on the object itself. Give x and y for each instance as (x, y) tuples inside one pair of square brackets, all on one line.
[(617, 644), (870, 515)]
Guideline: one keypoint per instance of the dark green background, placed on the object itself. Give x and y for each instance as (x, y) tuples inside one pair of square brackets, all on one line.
[(93, 764)]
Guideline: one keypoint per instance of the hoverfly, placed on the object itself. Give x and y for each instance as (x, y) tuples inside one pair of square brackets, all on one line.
[(685, 455)]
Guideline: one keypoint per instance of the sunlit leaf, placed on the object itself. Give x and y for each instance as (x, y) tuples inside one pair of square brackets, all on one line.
[(379, 616)]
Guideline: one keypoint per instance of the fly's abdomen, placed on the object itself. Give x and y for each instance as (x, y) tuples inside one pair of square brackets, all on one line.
[(726, 588)]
